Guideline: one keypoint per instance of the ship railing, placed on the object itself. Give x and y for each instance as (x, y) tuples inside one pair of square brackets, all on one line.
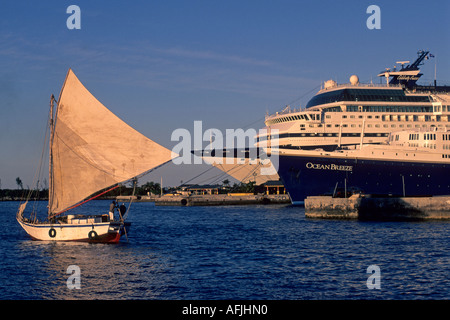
[(362, 85), (290, 111), (445, 98)]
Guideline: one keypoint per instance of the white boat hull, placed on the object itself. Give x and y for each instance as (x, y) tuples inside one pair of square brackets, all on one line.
[(105, 232)]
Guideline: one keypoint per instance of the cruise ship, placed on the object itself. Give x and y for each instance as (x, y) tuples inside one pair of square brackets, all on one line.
[(410, 163), (347, 116), (354, 113)]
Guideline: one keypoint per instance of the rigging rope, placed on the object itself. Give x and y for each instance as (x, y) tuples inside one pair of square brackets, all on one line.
[(83, 202), (37, 175), (250, 124)]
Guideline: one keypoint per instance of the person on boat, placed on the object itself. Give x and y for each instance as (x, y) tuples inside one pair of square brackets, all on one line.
[(122, 210), (112, 207)]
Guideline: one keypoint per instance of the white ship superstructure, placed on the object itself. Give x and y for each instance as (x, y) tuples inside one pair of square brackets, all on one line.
[(354, 113)]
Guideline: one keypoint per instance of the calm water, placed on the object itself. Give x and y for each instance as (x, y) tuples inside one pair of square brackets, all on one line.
[(235, 252)]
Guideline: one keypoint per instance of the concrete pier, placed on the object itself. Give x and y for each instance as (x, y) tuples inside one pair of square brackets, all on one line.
[(221, 200), (375, 208), (210, 200)]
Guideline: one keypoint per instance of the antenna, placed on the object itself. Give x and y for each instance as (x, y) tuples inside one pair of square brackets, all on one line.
[(402, 62)]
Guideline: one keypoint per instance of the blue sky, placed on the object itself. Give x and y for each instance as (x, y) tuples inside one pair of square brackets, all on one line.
[(161, 65)]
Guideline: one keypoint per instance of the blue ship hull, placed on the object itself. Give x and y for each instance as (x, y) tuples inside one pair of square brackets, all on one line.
[(311, 176)]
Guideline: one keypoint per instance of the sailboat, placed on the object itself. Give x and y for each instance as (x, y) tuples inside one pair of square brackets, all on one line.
[(91, 151)]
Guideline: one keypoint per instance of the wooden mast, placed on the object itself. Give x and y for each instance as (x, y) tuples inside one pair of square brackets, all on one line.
[(50, 162)]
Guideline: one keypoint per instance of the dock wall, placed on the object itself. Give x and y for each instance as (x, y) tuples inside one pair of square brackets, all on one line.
[(221, 200), (211, 200), (368, 208)]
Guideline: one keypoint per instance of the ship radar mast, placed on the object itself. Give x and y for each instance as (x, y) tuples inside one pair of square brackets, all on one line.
[(408, 75)]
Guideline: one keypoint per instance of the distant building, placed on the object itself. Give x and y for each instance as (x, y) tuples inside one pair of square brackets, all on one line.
[(201, 189), (274, 187)]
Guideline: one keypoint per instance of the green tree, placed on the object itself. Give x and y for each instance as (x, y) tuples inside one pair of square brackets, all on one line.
[(151, 187), (19, 183)]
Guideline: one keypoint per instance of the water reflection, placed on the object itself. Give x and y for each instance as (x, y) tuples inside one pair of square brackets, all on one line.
[(107, 271), (232, 253)]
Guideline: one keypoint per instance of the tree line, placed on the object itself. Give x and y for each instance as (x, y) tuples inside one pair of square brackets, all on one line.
[(148, 188)]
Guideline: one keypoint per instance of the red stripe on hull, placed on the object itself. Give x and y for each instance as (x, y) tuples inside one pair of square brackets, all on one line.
[(106, 238)]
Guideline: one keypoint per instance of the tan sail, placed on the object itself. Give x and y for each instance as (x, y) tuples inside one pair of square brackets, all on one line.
[(245, 170), (93, 149)]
